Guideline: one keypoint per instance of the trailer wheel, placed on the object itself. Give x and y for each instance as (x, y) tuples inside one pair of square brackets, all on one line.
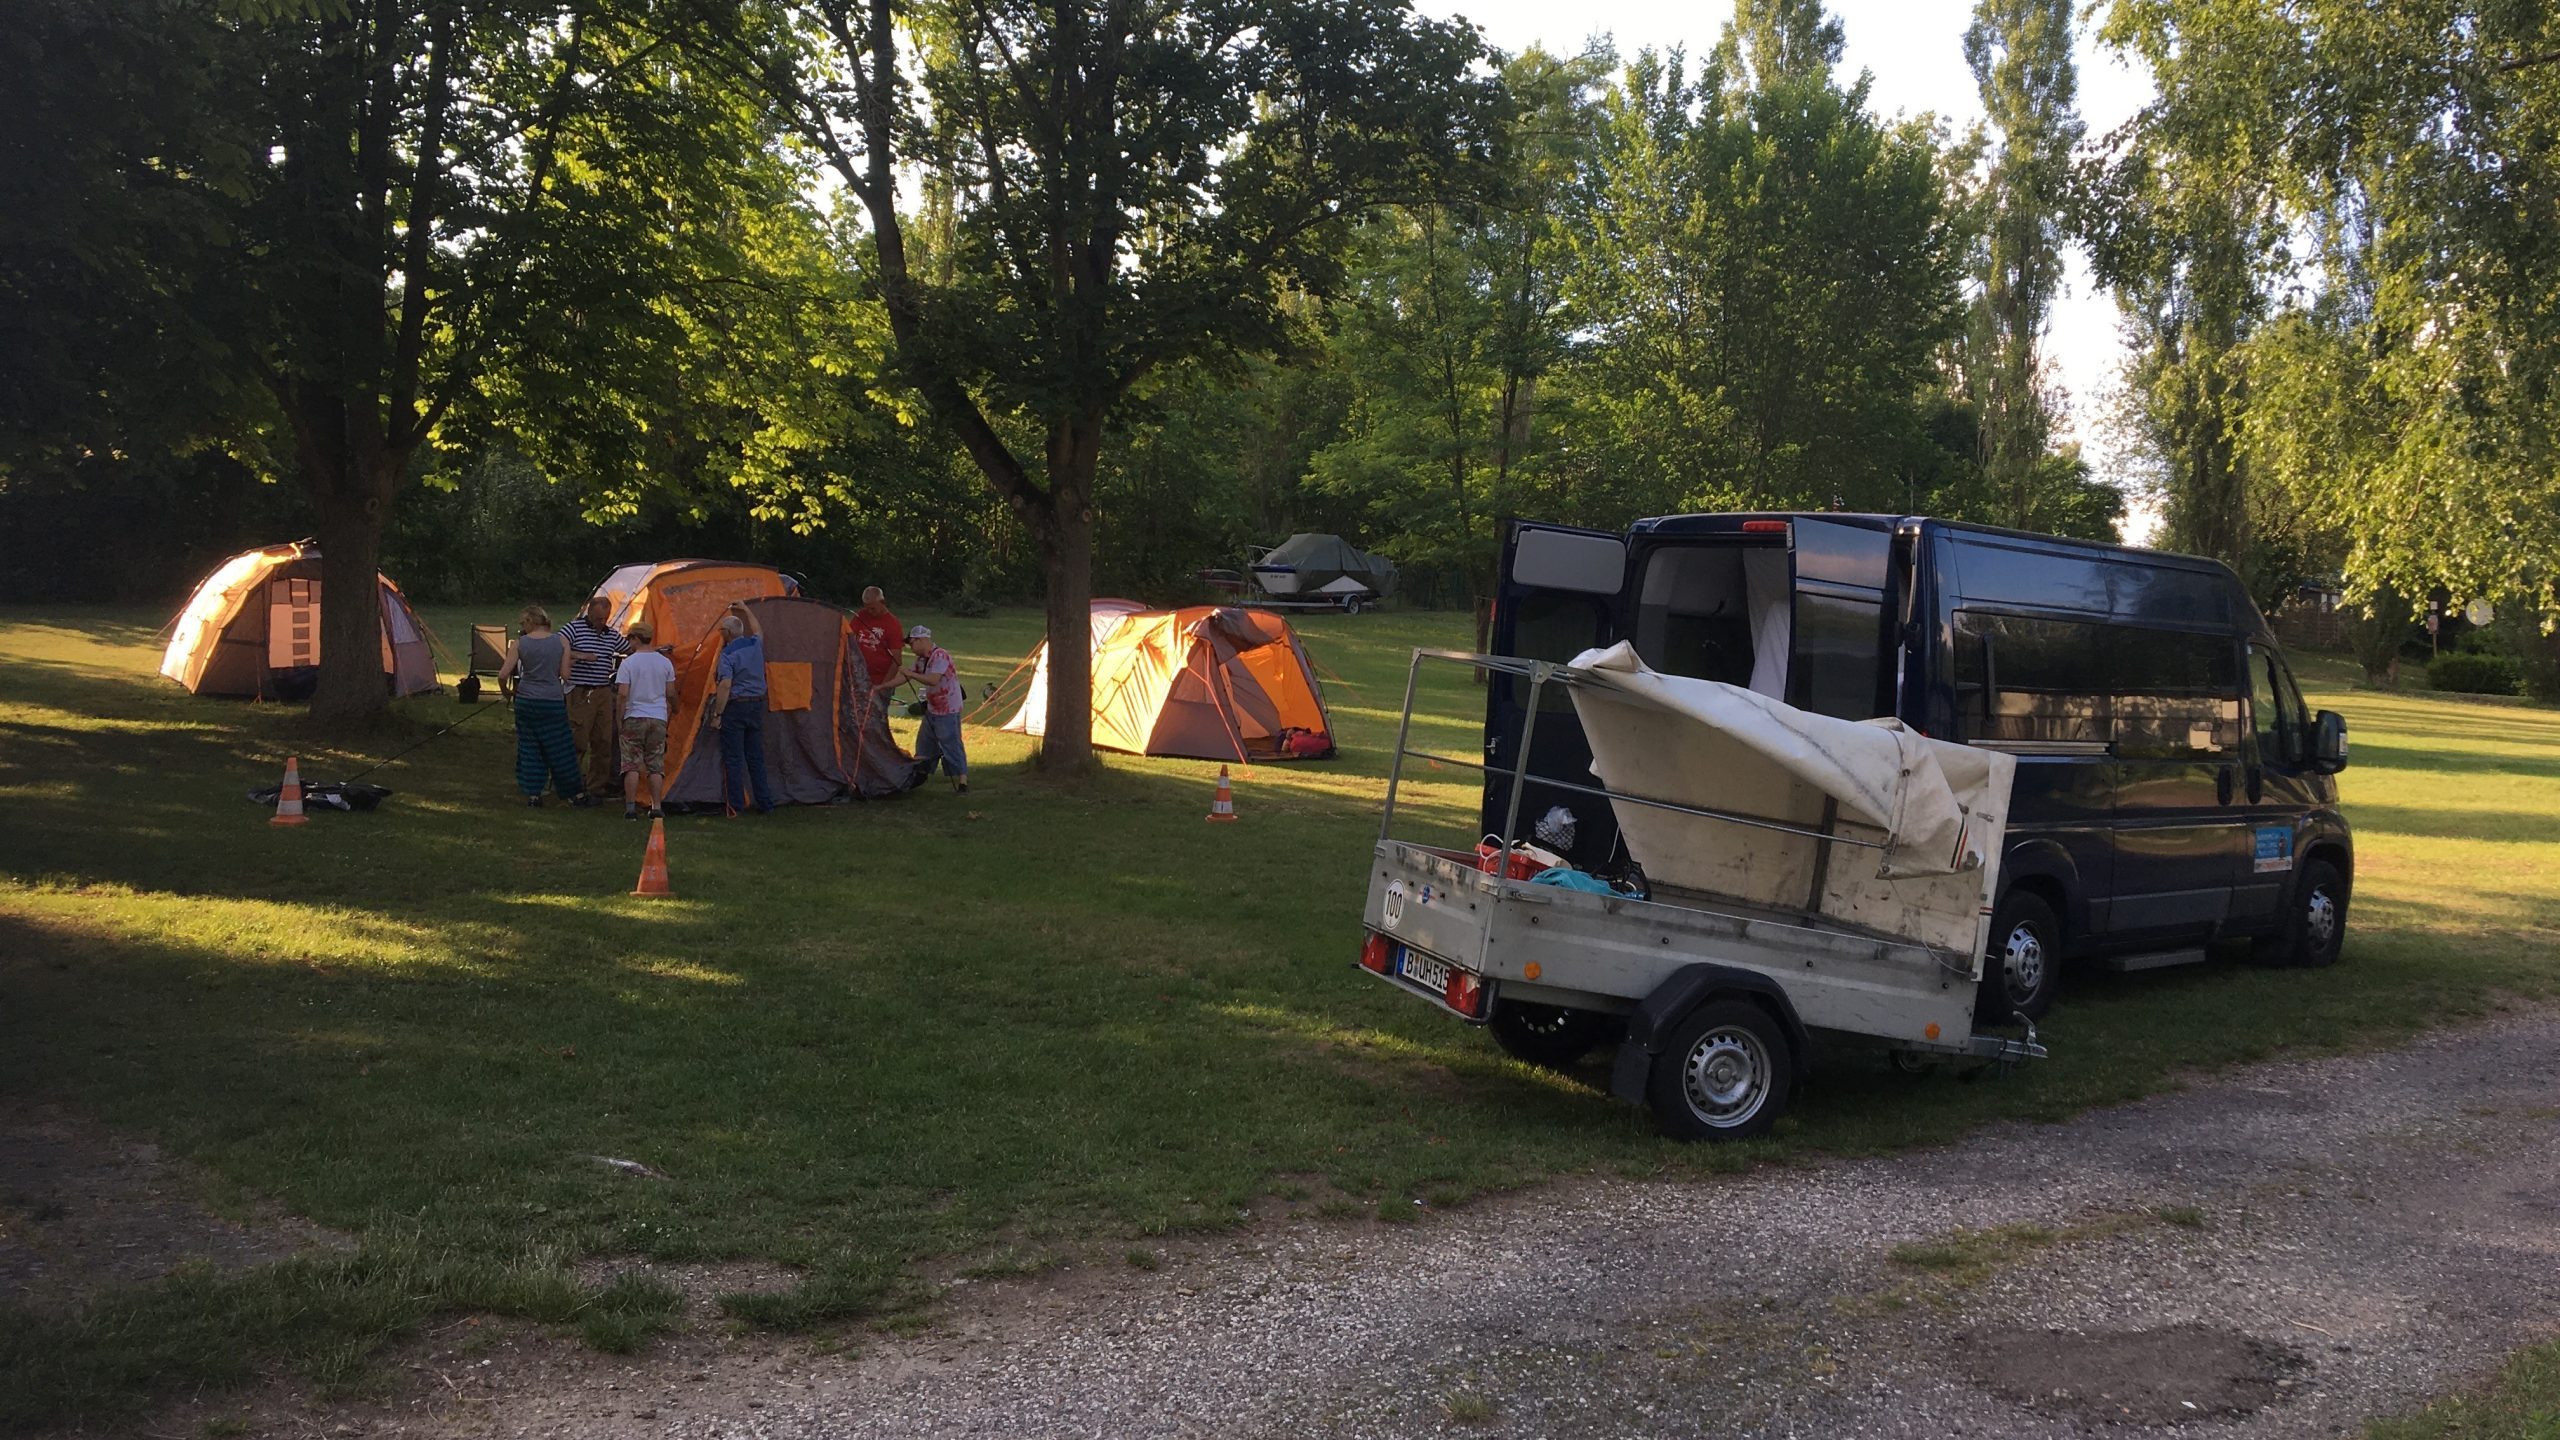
[(1552, 1036), (2024, 966), (1724, 1075), (1351, 605)]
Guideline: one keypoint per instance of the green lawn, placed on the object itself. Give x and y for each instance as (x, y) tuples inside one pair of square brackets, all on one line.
[(944, 1034)]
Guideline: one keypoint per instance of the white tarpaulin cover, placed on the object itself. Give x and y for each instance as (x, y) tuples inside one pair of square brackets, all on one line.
[(1937, 810)]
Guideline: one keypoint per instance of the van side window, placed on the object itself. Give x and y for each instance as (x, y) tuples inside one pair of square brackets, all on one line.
[(2276, 707), (2028, 681), (1839, 656), (1552, 625)]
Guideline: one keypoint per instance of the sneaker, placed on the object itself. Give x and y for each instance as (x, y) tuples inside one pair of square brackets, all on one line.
[(657, 814), (533, 800), (583, 800), (960, 789), (630, 812)]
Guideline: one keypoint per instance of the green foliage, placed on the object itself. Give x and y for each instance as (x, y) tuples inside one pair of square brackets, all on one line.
[(2466, 673), (2536, 650), (2020, 53), (1765, 276), (2375, 166), (2521, 1402)]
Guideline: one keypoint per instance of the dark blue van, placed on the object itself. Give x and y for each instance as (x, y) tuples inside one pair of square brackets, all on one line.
[(2172, 790)]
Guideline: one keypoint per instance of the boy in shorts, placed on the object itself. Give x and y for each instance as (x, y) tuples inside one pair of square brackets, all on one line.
[(645, 685)]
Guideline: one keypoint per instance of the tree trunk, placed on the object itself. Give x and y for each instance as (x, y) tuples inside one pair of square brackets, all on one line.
[(351, 689), (352, 475), (1066, 555)]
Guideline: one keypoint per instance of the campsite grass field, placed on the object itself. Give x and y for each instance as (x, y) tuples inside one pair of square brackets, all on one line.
[(943, 1035)]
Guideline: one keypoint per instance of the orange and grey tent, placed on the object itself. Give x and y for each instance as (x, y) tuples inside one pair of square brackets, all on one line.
[(1212, 682), (823, 740), (681, 599), (253, 629)]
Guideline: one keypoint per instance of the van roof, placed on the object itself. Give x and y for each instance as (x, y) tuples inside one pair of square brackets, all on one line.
[(1716, 522)]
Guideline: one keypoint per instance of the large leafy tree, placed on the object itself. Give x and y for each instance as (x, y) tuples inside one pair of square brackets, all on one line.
[(344, 220), (2020, 52), (1451, 324), (1765, 278), (1131, 185), (2343, 207)]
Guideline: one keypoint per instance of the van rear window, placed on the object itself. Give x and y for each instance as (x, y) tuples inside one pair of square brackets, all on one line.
[(2031, 680)]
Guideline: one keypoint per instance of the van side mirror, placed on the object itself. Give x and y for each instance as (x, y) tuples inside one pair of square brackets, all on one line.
[(2328, 742)]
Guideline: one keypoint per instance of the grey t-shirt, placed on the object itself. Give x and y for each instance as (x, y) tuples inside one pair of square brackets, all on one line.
[(538, 667)]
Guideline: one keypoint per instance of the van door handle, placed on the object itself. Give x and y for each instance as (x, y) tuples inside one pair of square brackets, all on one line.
[(2222, 785)]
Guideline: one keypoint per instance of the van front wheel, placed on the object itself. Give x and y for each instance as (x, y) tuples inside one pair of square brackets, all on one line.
[(2023, 968), (1724, 1075), (2319, 924)]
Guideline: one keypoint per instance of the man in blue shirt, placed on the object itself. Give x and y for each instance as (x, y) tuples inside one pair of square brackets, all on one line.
[(737, 708)]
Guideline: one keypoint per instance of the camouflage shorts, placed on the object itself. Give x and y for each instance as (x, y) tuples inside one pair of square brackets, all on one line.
[(644, 746)]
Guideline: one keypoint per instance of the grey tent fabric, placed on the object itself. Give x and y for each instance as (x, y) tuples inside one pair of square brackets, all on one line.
[(824, 741), (1323, 564)]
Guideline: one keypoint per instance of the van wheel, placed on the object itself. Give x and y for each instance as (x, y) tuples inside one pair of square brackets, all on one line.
[(2023, 968), (1724, 1075), (1549, 1035), (2318, 927)]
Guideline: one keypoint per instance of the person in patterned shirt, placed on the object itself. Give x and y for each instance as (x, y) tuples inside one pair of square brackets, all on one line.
[(595, 652)]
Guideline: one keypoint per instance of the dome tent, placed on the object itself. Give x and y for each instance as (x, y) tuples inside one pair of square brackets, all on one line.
[(821, 743), (252, 630), (1207, 682)]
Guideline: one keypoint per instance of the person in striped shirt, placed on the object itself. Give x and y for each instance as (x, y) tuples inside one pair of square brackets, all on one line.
[(595, 651)]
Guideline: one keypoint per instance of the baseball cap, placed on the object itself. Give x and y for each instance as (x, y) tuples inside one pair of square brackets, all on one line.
[(921, 632)]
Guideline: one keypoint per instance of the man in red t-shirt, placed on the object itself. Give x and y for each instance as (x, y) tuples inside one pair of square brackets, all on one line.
[(879, 634)]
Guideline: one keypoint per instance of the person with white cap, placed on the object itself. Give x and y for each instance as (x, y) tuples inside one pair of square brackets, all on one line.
[(939, 739)]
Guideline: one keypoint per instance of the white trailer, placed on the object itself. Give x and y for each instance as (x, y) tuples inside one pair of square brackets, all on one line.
[(1806, 881)]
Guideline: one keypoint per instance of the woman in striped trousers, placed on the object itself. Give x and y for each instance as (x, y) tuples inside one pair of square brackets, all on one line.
[(536, 676)]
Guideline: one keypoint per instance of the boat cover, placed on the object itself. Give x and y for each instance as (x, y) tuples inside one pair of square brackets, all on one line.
[(1934, 812)]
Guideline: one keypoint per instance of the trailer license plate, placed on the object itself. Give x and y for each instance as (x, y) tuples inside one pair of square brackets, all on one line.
[(1423, 970)]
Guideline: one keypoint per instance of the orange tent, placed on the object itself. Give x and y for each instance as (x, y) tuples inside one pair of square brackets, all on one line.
[(252, 628), (822, 741), (1212, 682), (681, 599)]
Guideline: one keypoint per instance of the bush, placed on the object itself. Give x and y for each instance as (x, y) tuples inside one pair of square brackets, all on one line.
[(2468, 674), (2537, 655)]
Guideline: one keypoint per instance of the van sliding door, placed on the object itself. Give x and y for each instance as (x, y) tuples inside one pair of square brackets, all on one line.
[(1558, 597)]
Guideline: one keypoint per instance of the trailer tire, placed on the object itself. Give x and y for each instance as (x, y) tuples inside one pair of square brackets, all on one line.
[(2024, 967), (1725, 1074), (1551, 1036), (1351, 606)]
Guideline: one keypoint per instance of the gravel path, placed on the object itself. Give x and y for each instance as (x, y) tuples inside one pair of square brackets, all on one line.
[(2286, 1250)]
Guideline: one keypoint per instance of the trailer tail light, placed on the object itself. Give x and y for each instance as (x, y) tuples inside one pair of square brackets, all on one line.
[(1375, 952), (1465, 993), (1764, 527)]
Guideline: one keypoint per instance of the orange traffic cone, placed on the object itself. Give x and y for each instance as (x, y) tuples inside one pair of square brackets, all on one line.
[(653, 865), (1224, 806), (289, 799)]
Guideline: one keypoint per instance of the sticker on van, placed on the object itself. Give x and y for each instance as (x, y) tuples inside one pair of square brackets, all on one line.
[(2275, 848)]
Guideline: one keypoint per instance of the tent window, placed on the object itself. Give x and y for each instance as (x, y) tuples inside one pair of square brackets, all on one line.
[(404, 628), (293, 624)]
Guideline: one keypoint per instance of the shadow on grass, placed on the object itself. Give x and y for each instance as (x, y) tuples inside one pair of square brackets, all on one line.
[(867, 1037)]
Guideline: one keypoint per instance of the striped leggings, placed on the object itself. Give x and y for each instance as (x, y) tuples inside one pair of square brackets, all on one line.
[(544, 747)]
